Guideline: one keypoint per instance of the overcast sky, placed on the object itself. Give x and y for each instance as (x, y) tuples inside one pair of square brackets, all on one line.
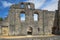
[(50, 5)]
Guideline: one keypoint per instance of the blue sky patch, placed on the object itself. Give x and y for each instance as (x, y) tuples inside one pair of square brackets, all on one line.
[(50, 5)]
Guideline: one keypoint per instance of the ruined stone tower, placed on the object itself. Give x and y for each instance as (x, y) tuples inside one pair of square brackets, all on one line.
[(56, 28), (58, 17)]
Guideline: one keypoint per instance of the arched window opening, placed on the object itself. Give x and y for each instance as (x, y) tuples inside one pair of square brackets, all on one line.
[(35, 17), (22, 5), (29, 5), (22, 16)]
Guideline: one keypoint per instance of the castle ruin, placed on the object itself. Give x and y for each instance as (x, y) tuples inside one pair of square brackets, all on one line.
[(45, 23)]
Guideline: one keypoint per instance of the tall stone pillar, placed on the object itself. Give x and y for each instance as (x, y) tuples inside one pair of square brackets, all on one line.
[(11, 18), (40, 22), (45, 22), (26, 22), (17, 22)]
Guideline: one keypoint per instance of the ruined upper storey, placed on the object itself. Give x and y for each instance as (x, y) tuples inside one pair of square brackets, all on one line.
[(23, 5)]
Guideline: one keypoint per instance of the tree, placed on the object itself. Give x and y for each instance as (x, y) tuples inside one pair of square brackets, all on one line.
[(1, 19)]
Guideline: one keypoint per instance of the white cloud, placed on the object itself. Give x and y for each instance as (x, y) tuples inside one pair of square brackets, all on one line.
[(51, 7), (37, 3), (6, 4)]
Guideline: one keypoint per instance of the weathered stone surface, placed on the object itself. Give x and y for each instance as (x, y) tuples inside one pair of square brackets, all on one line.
[(17, 27)]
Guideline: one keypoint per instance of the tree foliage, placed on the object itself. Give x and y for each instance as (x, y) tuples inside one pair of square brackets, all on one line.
[(1, 19)]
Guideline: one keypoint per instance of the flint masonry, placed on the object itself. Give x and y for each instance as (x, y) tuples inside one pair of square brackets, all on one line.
[(14, 25)]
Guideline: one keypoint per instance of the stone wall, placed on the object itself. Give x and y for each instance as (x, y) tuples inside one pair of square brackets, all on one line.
[(44, 23)]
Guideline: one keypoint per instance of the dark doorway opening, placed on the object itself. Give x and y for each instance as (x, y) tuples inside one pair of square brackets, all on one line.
[(29, 31), (53, 30)]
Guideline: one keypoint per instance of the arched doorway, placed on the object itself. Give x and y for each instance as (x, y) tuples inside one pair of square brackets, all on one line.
[(29, 31)]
